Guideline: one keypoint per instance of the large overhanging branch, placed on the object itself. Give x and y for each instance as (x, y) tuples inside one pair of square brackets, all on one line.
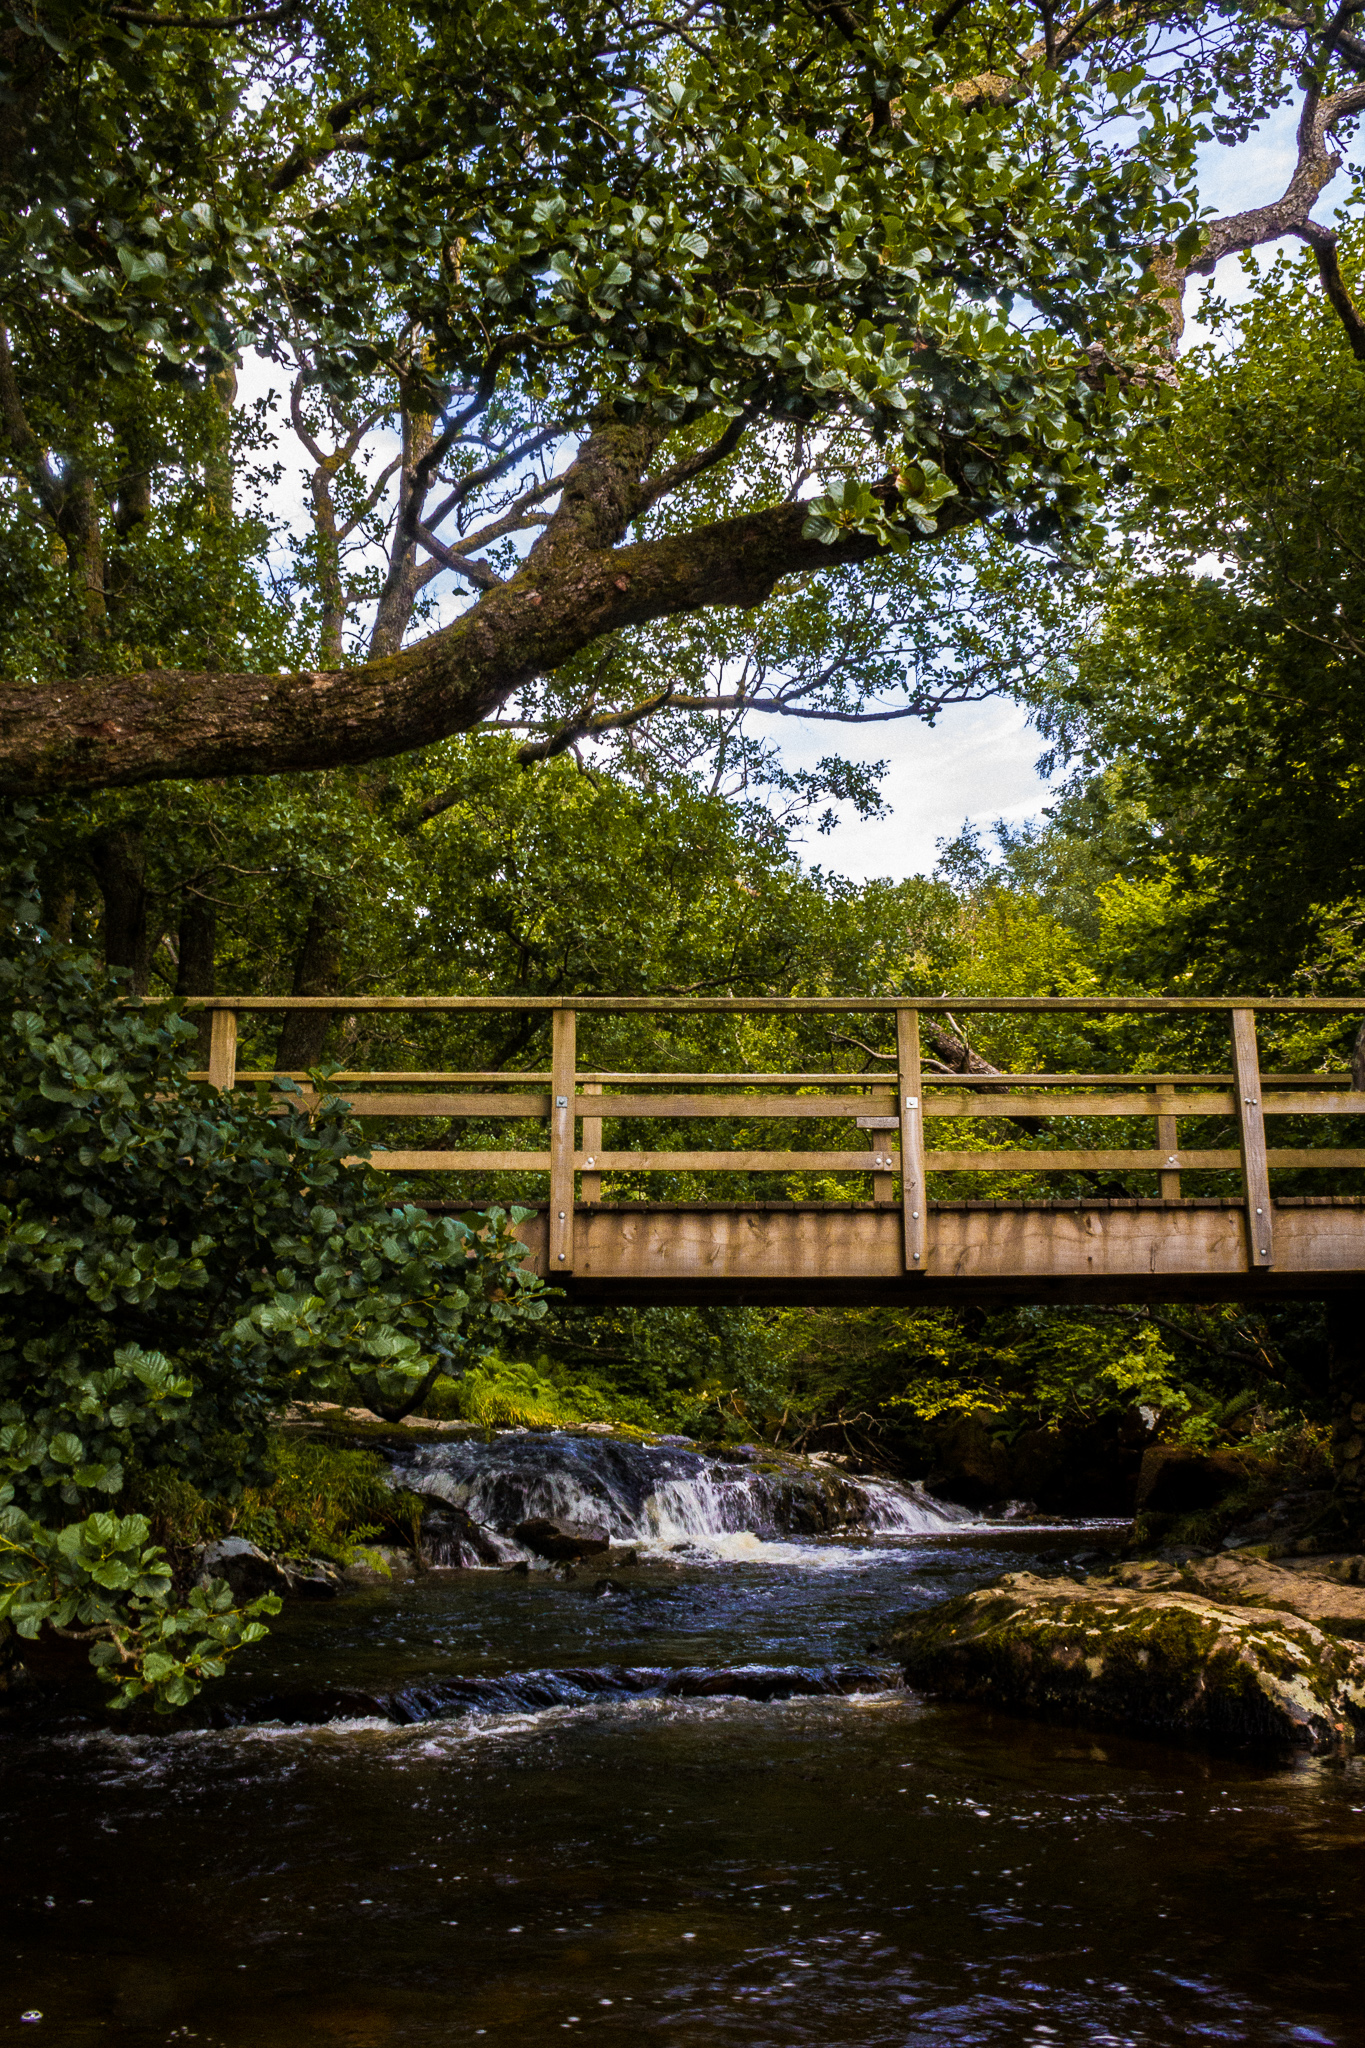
[(117, 730)]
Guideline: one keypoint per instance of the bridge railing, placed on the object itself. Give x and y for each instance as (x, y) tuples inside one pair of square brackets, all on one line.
[(887, 1111)]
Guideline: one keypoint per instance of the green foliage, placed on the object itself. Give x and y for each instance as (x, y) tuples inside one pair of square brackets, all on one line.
[(315, 1499), (1214, 710), (99, 1582), (174, 1263)]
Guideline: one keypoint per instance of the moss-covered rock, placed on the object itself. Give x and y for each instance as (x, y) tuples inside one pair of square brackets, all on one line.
[(1325, 1591), (1160, 1662)]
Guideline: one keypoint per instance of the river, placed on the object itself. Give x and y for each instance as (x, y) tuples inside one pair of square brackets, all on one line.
[(552, 1841)]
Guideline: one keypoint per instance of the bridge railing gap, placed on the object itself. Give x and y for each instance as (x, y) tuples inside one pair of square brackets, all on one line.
[(886, 1107)]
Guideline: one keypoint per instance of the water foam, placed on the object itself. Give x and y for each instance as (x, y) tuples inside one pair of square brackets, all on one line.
[(663, 1499)]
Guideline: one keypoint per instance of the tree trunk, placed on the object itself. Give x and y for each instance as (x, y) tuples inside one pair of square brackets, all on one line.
[(119, 859), (195, 972), (317, 972)]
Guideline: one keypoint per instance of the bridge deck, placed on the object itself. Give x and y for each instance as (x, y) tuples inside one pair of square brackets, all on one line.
[(850, 1254)]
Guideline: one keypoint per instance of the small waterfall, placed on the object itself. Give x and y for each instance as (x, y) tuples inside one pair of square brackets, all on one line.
[(656, 1497)]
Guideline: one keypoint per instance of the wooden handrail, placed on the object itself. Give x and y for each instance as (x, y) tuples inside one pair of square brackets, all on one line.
[(893, 1105), (969, 1006)]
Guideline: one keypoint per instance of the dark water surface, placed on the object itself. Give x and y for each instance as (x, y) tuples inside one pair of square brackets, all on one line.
[(840, 1871)]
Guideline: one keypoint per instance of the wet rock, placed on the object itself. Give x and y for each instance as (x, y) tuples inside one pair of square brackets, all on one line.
[(561, 1542), (1157, 1661), (381, 1564), (1174, 1480), (452, 1538), (316, 1579), (1336, 1605), (249, 1571)]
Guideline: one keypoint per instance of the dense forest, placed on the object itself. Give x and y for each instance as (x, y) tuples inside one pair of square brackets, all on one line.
[(331, 425)]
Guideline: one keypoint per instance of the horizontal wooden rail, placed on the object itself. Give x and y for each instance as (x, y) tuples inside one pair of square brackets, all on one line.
[(1227, 1158), (833, 1107), (831, 1006), (341, 1081)]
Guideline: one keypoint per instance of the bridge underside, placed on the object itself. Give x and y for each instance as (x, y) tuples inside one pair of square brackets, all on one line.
[(639, 1254)]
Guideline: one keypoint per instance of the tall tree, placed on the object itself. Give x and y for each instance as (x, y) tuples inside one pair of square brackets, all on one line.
[(693, 299)]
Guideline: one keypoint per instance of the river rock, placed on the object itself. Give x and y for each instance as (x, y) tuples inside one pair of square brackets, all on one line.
[(451, 1537), (249, 1571), (1155, 1660), (380, 1564), (1333, 1603), (562, 1541)]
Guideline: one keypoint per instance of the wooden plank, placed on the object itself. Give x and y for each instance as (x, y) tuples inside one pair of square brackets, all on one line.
[(1136, 1102), (1168, 1141), (731, 1162), (828, 1106), (222, 1070), (461, 1162), (592, 1145), (1334, 1096), (971, 1006), (883, 1080), (690, 1253), (1009, 1161), (442, 1105), (562, 1064), (1311, 1102), (812, 1107), (1251, 1134), (425, 1077), (914, 1192), (683, 1080)]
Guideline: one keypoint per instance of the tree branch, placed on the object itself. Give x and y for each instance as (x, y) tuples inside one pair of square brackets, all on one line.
[(117, 730), (1323, 242)]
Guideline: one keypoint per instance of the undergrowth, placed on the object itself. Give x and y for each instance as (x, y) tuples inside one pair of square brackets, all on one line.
[(321, 1501)]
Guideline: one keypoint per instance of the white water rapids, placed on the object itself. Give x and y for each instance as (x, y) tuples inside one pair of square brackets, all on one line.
[(660, 1499)]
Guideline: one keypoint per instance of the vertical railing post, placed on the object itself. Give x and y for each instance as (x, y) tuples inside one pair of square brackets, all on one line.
[(563, 1081), (1168, 1144), (592, 1145), (223, 1049), (914, 1196), (1246, 1067)]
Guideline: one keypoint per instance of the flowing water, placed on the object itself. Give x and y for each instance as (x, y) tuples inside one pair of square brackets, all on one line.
[(681, 1801)]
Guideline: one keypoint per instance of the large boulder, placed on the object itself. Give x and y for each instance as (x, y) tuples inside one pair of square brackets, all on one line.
[(1326, 1597), (1156, 1661), (1174, 1480)]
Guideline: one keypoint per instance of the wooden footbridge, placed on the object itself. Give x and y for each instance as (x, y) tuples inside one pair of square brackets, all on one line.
[(899, 1182)]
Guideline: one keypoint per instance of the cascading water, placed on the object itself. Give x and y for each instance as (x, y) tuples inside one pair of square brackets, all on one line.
[(661, 1497)]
